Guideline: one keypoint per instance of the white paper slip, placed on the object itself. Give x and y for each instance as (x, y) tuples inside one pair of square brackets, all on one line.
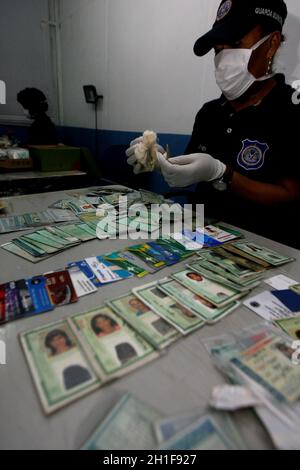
[(232, 397), (82, 284), (268, 307), (281, 282)]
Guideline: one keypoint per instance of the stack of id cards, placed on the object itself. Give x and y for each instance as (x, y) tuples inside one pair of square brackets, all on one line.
[(264, 361), (75, 356), (46, 242), (15, 223)]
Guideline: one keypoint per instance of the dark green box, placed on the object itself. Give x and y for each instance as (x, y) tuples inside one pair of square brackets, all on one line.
[(55, 158)]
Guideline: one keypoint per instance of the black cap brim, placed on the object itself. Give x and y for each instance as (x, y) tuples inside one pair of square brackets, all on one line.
[(227, 32)]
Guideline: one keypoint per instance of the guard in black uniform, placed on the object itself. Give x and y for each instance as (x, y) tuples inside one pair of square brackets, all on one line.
[(42, 130), (260, 143), (244, 148)]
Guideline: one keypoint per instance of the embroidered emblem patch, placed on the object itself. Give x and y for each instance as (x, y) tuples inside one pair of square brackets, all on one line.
[(252, 155), (224, 10)]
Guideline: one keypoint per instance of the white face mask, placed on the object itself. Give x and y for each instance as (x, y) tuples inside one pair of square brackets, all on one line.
[(231, 70)]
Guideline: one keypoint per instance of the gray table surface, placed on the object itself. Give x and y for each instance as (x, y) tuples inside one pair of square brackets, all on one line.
[(179, 381), (33, 175)]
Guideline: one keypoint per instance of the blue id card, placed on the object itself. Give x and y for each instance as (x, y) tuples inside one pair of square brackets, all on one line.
[(39, 294)]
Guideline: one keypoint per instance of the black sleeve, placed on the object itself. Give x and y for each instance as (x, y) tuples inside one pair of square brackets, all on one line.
[(193, 145), (290, 145)]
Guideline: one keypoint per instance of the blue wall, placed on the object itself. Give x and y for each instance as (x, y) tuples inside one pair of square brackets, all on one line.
[(111, 152), (16, 132)]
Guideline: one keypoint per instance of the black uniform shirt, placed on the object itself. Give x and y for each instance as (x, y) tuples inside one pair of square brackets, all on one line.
[(259, 142)]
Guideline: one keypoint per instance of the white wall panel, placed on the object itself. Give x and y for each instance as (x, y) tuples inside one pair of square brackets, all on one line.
[(25, 59), (139, 53)]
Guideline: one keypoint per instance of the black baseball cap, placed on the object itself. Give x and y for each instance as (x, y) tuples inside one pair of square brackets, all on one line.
[(236, 18)]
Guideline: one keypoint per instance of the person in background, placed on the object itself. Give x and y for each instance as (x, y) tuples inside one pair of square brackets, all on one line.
[(42, 130), (244, 150)]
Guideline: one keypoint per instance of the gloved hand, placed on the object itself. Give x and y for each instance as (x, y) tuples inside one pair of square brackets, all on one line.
[(180, 172), (134, 157)]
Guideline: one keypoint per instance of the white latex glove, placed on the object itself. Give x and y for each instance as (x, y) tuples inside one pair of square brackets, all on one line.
[(135, 160), (180, 172)]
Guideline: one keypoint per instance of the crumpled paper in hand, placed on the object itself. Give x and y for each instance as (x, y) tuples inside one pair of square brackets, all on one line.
[(146, 152)]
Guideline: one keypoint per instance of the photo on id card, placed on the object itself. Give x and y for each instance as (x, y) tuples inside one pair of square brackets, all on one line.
[(60, 370), (113, 347), (202, 307), (150, 325), (217, 294), (181, 317)]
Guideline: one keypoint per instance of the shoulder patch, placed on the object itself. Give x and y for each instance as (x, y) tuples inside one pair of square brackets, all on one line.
[(252, 155)]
